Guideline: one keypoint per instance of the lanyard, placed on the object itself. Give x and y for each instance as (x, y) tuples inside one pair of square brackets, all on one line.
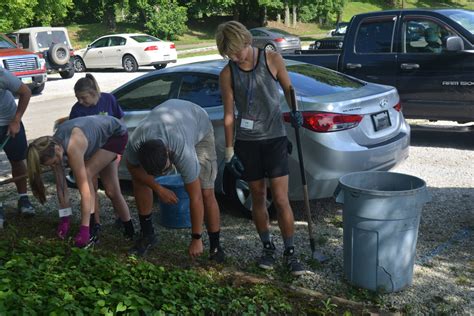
[(249, 88)]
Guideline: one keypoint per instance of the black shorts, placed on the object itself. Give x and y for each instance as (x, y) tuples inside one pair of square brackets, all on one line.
[(263, 158), (15, 148)]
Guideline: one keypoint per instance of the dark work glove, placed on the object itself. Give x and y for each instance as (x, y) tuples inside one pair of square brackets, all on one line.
[(235, 166), (296, 119)]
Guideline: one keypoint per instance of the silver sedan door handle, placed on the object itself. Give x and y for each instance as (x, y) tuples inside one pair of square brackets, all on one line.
[(409, 66), (353, 66)]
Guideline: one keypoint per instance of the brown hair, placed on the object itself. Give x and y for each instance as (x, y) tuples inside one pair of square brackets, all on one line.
[(87, 84), (39, 151), (231, 37)]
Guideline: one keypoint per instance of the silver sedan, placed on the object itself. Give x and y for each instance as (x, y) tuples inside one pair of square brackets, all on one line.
[(349, 125), (275, 40)]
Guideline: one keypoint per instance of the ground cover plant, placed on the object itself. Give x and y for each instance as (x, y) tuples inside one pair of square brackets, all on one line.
[(49, 277)]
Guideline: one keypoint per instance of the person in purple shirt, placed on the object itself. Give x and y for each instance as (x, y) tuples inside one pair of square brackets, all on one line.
[(90, 101)]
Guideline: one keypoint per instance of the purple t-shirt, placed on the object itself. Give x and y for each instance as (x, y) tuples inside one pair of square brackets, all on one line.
[(107, 105)]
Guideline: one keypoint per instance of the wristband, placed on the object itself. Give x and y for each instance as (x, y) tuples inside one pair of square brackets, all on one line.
[(196, 236), (229, 152), (63, 212)]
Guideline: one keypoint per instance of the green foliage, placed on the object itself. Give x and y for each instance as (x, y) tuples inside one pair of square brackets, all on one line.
[(51, 278), (52, 12), (16, 14), (162, 18)]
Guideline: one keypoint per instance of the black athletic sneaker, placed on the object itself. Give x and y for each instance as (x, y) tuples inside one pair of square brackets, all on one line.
[(293, 265), (267, 259), (143, 245), (94, 233), (217, 255), (24, 207)]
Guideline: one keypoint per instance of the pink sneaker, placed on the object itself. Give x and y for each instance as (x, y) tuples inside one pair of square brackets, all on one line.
[(82, 238), (63, 227)]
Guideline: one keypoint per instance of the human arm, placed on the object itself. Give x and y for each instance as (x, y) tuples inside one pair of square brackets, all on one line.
[(24, 95), (139, 174), (278, 69), (63, 200), (196, 208), (232, 161), (76, 149)]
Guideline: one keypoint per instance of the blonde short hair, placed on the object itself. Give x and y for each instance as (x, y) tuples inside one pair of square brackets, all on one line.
[(232, 37)]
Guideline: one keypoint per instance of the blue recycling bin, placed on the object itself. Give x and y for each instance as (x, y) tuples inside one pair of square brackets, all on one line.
[(174, 215)]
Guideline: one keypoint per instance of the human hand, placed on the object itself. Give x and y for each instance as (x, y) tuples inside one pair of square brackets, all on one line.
[(195, 248), (63, 227), (235, 166), (296, 119), (13, 128), (167, 196)]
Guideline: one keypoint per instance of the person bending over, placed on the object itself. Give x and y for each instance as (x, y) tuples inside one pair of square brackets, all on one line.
[(89, 145), (178, 133)]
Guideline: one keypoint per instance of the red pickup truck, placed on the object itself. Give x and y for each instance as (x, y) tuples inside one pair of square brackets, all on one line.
[(26, 65)]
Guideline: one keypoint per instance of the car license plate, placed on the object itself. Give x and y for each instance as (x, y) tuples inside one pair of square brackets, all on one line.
[(27, 80), (381, 120)]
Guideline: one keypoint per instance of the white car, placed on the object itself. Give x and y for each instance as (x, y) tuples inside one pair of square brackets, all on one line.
[(127, 51)]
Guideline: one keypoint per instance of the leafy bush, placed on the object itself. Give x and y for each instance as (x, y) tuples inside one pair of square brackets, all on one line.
[(48, 277)]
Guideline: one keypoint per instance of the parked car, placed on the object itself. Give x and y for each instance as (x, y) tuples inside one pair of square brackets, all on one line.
[(349, 125), (275, 40), (50, 43), (340, 29), (25, 65), (127, 51), (334, 41), (426, 54)]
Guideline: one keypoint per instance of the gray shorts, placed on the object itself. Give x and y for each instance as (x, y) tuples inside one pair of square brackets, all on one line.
[(206, 153)]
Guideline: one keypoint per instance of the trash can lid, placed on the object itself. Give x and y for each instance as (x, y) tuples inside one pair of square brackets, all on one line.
[(382, 183)]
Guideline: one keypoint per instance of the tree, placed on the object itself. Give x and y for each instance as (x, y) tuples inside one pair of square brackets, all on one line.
[(15, 14), (51, 12), (162, 18)]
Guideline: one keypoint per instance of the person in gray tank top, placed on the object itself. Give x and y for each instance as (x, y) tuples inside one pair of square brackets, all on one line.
[(249, 84), (89, 145)]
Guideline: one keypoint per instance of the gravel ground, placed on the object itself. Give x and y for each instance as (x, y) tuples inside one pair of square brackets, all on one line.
[(443, 273)]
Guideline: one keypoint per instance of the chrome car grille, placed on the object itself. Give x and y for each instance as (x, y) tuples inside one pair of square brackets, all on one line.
[(21, 64)]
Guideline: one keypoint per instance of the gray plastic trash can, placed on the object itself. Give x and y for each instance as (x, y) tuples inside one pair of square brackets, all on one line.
[(381, 215)]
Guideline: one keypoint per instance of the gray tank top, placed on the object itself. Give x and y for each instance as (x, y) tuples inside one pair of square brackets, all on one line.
[(257, 99), (97, 128)]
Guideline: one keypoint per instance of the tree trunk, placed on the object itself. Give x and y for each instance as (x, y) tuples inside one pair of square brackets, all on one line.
[(236, 12), (278, 18), (287, 15), (263, 16), (110, 15), (294, 16)]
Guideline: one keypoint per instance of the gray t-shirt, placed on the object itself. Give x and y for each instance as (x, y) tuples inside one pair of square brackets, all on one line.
[(9, 84), (180, 125), (97, 129)]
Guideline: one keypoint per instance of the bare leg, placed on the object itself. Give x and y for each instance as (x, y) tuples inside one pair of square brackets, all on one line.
[(19, 169), (258, 191), (211, 210), (279, 188), (109, 176)]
